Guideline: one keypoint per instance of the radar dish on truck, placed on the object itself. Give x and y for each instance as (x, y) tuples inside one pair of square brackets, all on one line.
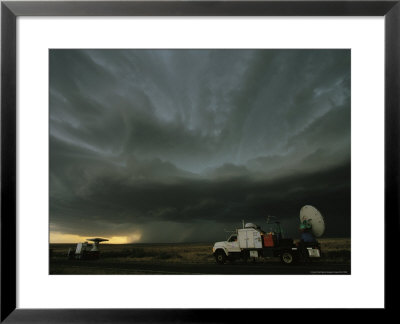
[(86, 251), (314, 218), (251, 242)]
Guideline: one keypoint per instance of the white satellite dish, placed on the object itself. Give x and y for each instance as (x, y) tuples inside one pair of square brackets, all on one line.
[(96, 242), (250, 225), (314, 217)]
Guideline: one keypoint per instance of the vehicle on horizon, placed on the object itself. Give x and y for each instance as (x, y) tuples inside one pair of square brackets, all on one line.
[(85, 250)]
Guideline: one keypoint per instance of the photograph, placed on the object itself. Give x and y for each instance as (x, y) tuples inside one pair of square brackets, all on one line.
[(199, 161)]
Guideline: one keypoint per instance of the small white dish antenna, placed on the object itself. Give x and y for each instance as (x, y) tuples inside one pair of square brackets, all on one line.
[(96, 242), (314, 217), (250, 225)]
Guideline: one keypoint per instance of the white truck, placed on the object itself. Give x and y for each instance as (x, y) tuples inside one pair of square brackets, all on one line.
[(252, 242)]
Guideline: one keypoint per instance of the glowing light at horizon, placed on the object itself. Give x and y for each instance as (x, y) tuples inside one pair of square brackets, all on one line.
[(58, 237)]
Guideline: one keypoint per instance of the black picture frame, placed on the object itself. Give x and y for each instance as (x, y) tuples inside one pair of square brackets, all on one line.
[(11, 10)]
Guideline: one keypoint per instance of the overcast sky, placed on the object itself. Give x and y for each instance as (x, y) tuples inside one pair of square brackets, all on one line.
[(179, 145)]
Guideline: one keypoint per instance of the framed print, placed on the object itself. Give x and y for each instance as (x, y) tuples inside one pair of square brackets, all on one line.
[(158, 156), (184, 232)]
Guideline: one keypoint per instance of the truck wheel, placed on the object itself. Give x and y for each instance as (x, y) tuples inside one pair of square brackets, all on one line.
[(287, 257), (220, 257)]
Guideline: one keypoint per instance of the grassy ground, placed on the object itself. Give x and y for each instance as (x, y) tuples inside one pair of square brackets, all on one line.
[(333, 250), (188, 252), (337, 249)]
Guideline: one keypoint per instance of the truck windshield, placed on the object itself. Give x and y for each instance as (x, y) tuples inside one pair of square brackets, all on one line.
[(233, 238)]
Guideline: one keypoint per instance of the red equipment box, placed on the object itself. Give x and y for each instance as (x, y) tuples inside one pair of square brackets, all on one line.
[(268, 240)]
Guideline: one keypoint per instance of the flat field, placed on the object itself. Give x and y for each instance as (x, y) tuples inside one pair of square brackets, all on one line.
[(191, 258)]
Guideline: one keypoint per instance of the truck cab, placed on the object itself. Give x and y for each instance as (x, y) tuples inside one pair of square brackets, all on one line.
[(232, 244), (242, 244), (226, 249)]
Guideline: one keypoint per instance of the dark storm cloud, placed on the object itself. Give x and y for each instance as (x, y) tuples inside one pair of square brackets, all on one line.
[(171, 142)]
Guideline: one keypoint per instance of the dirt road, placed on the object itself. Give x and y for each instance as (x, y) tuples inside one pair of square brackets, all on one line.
[(274, 268)]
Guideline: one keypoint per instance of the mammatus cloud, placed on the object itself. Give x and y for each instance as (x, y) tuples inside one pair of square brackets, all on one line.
[(177, 145)]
